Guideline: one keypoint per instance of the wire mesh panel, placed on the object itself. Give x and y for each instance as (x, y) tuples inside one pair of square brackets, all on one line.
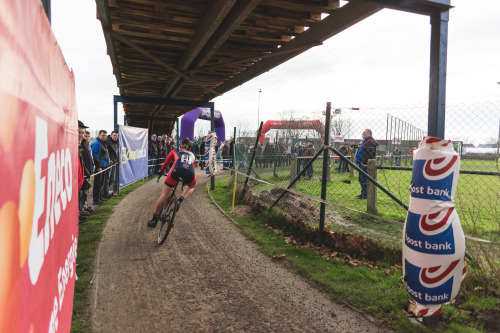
[(474, 130)]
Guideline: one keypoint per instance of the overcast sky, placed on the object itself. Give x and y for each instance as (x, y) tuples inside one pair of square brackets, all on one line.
[(383, 60)]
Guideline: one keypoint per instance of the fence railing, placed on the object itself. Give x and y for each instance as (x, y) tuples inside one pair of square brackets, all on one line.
[(477, 198)]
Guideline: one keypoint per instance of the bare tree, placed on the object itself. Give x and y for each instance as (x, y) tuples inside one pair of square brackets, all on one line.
[(244, 129), (340, 124), (202, 128)]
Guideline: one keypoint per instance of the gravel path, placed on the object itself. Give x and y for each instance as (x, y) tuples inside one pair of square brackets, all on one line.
[(206, 278)]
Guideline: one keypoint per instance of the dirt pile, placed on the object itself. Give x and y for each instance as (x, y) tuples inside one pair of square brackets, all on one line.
[(297, 207)]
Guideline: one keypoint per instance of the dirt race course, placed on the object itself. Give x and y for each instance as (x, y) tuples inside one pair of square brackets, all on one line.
[(206, 277)]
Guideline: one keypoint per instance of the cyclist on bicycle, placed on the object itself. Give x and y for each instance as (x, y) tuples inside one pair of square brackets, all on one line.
[(183, 167)]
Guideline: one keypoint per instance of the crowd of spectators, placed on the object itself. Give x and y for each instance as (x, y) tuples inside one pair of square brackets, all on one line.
[(98, 159), (159, 146)]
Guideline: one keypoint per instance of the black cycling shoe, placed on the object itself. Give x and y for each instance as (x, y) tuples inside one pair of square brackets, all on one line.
[(178, 205), (152, 223)]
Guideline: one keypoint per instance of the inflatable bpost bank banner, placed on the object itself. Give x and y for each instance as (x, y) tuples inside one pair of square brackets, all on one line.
[(133, 143), (433, 240), (39, 177), (210, 142)]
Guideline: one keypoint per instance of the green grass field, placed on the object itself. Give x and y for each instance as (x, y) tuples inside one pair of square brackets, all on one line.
[(377, 291)]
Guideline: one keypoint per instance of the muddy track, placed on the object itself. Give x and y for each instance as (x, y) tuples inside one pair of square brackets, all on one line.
[(206, 278)]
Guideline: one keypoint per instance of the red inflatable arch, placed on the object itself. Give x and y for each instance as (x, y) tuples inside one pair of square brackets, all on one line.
[(291, 124)]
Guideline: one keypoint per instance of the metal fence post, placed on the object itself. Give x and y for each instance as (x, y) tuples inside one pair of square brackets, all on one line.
[(212, 128), (351, 169), (371, 189), (293, 171), (324, 178), (234, 151), (253, 156)]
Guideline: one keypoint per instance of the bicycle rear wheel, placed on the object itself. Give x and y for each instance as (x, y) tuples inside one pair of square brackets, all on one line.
[(167, 219)]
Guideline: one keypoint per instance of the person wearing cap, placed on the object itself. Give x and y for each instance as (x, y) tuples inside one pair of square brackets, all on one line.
[(101, 162), (152, 155), (183, 167)]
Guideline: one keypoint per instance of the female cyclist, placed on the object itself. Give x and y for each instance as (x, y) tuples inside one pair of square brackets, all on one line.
[(183, 167)]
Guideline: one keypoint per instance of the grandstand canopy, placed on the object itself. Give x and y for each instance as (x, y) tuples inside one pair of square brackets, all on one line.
[(195, 50)]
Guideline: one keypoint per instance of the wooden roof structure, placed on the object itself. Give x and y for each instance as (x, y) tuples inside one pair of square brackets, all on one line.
[(196, 50)]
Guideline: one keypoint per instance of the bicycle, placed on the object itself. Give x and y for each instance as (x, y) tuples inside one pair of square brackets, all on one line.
[(167, 215)]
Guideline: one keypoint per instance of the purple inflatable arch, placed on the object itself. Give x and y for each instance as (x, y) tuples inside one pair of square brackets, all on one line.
[(188, 120)]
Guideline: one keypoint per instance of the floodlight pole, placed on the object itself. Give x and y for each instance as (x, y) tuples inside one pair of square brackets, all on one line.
[(258, 109)]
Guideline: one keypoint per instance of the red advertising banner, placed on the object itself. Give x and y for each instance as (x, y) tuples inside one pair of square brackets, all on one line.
[(38, 195)]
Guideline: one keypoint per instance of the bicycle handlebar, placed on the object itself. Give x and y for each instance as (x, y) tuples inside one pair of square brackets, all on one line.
[(159, 176)]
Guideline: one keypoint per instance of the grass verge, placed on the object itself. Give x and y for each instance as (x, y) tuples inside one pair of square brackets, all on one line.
[(377, 291), (89, 236)]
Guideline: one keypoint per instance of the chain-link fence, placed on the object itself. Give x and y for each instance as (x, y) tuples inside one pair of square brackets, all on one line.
[(286, 151)]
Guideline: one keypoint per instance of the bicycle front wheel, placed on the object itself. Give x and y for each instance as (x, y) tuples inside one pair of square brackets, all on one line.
[(167, 220)]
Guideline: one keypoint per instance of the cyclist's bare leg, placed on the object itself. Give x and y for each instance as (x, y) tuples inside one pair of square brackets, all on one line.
[(188, 190), (165, 193)]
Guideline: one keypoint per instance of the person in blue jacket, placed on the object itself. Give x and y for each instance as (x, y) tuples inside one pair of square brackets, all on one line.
[(100, 156), (366, 151)]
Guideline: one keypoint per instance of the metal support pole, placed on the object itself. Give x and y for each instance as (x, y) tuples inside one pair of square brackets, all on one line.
[(437, 86), (255, 147), (212, 128), (115, 108), (324, 178), (274, 153), (177, 130), (234, 149)]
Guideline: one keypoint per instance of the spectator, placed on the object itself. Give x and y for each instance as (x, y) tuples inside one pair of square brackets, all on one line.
[(231, 152), (367, 151), (225, 147), (159, 146), (196, 149), (288, 153), (88, 166), (101, 161), (113, 150), (83, 174), (86, 145), (397, 156), (152, 155), (300, 153), (202, 153), (343, 164), (310, 151)]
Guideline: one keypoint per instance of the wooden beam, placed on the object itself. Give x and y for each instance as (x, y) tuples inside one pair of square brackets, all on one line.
[(170, 68), (338, 21), (238, 14), (208, 26), (133, 83), (256, 58)]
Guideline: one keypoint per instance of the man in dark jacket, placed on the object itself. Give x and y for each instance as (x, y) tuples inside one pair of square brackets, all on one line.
[(343, 164), (366, 151), (113, 150), (310, 151), (101, 161), (152, 154), (202, 153)]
